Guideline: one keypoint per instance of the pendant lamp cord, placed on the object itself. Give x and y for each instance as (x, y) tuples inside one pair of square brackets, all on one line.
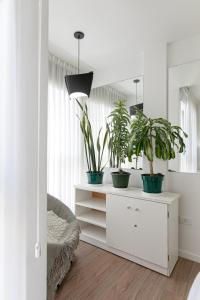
[(78, 54), (136, 93)]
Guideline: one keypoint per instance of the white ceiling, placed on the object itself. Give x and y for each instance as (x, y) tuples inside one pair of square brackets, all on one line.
[(118, 29)]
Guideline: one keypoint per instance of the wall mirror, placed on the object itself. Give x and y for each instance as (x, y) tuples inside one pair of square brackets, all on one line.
[(130, 90), (184, 110)]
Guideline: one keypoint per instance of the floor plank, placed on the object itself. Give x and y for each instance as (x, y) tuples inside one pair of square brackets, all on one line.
[(100, 275)]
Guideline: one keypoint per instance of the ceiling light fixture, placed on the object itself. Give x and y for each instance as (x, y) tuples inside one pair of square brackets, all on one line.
[(137, 106), (79, 85)]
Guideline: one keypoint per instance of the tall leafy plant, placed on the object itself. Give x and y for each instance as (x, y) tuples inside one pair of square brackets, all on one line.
[(155, 138), (118, 130), (93, 150)]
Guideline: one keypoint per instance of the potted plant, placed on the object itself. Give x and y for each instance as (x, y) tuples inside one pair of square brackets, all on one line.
[(118, 131), (93, 153), (155, 138)]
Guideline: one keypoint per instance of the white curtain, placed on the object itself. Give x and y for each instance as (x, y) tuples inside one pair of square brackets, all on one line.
[(100, 104), (20, 226), (66, 159), (188, 120), (8, 198)]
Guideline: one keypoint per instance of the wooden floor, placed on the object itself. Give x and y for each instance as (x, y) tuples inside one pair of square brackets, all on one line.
[(100, 275)]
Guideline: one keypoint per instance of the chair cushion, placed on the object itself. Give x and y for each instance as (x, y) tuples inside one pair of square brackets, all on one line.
[(56, 228)]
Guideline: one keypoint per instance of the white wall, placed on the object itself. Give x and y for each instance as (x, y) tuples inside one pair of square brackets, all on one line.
[(22, 276), (155, 92), (198, 136), (155, 79), (187, 184)]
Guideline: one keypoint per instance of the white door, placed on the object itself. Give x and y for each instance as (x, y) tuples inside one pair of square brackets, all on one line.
[(150, 232), (120, 220)]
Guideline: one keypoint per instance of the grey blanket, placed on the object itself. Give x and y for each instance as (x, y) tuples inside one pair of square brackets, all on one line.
[(60, 255)]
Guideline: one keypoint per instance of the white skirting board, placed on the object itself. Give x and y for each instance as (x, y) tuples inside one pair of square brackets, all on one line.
[(189, 255)]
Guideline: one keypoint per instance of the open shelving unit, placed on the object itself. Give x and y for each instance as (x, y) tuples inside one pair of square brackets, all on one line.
[(90, 210), (93, 203), (94, 232), (93, 217)]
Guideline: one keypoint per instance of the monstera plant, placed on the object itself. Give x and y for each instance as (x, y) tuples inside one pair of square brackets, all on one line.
[(93, 150), (118, 130), (155, 138)]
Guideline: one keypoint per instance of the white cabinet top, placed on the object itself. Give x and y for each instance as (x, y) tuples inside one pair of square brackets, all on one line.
[(132, 192)]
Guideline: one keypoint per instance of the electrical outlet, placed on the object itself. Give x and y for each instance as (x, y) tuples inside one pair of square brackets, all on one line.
[(185, 221)]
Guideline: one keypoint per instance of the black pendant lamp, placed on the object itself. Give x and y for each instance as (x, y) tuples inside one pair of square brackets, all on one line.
[(134, 108), (79, 85)]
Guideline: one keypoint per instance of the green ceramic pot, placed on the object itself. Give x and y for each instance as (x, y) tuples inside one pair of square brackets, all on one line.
[(120, 179), (95, 177), (152, 184)]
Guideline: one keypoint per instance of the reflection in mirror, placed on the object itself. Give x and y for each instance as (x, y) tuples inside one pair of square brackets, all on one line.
[(132, 89), (184, 110)]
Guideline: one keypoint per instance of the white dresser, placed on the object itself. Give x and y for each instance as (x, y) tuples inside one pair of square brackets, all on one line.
[(138, 226)]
